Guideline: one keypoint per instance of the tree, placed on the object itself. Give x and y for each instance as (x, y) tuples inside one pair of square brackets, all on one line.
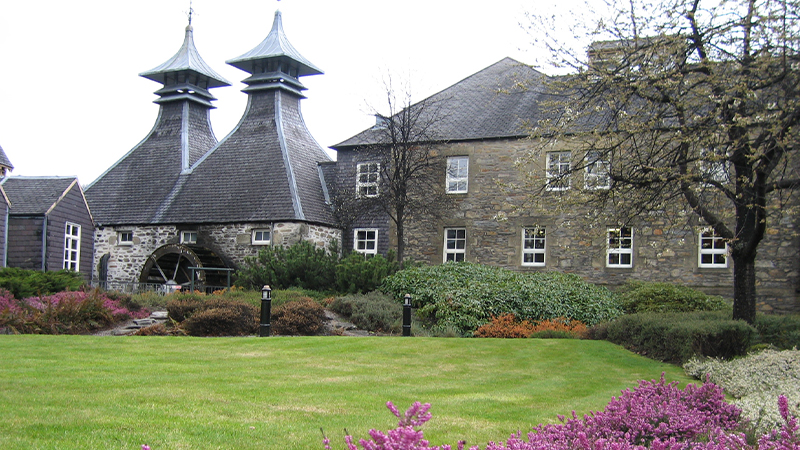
[(404, 177), (683, 106)]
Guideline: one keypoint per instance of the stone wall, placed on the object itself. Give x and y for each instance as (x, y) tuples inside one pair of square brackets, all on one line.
[(231, 242)]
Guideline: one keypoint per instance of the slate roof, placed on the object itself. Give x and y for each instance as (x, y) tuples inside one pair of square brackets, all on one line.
[(496, 102), (265, 170), (187, 59), (4, 161), (36, 196)]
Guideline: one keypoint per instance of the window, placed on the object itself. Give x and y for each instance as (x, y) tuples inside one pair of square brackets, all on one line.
[(620, 247), (713, 251), (365, 241), (188, 237), (533, 246), (261, 237), (455, 244), (596, 176), (558, 167), (72, 246), (367, 177), (125, 238), (457, 174)]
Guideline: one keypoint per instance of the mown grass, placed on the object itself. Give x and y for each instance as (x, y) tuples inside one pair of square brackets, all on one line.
[(84, 392)]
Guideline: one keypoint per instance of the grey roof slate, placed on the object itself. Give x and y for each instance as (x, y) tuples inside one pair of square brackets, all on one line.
[(275, 45), (4, 161), (187, 59), (35, 195), (496, 102)]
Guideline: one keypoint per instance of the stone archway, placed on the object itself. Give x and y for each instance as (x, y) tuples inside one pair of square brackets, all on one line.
[(169, 265)]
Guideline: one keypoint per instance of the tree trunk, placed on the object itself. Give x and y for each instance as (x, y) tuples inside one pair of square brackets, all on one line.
[(401, 244), (744, 287)]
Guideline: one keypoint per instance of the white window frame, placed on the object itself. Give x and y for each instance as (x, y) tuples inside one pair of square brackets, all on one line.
[(558, 167), (708, 245), (534, 246), (122, 234), (72, 246), (368, 176), (365, 241), (457, 180), (596, 174), (455, 244), (619, 247), (189, 237), (257, 236)]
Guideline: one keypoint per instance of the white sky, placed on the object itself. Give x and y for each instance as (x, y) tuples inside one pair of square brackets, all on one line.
[(72, 103)]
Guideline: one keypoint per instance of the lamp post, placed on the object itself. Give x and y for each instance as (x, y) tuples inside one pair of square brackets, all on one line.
[(407, 315), (266, 306)]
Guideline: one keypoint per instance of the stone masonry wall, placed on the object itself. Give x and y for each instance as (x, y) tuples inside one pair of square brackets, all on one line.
[(663, 250), (232, 242)]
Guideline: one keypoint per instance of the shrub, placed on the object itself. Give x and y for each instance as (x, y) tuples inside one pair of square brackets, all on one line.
[(505, 326), (640, 296), (559, 328), (181, 305), (357, 274), (63, 313), (374, 311), (676, 337), (157, 329), (466, 295), (302, 317), (24, 283), (221, 317), (780, 331), (754, 382), (302, 265)]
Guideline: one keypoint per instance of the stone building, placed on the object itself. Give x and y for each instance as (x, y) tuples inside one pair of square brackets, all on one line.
[(181, 199), (482, 137), (49, 226), (5, 168)]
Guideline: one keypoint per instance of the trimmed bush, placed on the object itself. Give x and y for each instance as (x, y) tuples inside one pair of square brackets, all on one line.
[(302, 265), (677, 337), (357, 274), (181, 305), (467, 295), (779, 331), (24, 283), (303, 317), (640, 296), (221, 317)]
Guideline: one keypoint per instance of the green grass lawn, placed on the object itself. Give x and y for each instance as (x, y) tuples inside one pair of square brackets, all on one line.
[(84, 392)]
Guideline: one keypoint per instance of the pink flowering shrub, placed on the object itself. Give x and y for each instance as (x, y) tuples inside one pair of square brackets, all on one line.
[(654, 416), (72, 312)]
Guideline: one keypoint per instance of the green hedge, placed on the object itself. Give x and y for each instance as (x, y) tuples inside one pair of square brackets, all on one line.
[(677, 337), (466, 295), (641, 296)]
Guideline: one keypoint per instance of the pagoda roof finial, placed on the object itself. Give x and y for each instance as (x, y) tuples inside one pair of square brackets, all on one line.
[(188, 61), (275, 46)]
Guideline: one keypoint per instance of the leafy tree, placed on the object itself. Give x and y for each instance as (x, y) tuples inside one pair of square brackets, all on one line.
[(681, 105)]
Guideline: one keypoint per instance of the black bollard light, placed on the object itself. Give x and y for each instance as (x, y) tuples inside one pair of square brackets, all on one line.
[(407, 315), (266, 306)]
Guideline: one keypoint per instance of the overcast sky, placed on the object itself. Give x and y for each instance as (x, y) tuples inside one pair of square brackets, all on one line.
[(73, 103)]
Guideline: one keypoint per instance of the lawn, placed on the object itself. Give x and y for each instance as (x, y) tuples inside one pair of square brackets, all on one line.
[(85, 392)]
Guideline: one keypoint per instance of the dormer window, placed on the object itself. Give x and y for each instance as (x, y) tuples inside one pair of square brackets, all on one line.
[(188, 237)]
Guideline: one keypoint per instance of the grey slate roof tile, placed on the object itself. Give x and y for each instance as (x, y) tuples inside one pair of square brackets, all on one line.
[(35, 195), (4, 161)]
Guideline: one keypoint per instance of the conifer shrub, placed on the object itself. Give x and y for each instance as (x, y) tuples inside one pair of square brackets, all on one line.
[(23, 283), (505, 326), (641, 296), (356, 273), (467, 295), (302, 265), (373, 311), (221, 317), (181, 305), (304, 317)]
